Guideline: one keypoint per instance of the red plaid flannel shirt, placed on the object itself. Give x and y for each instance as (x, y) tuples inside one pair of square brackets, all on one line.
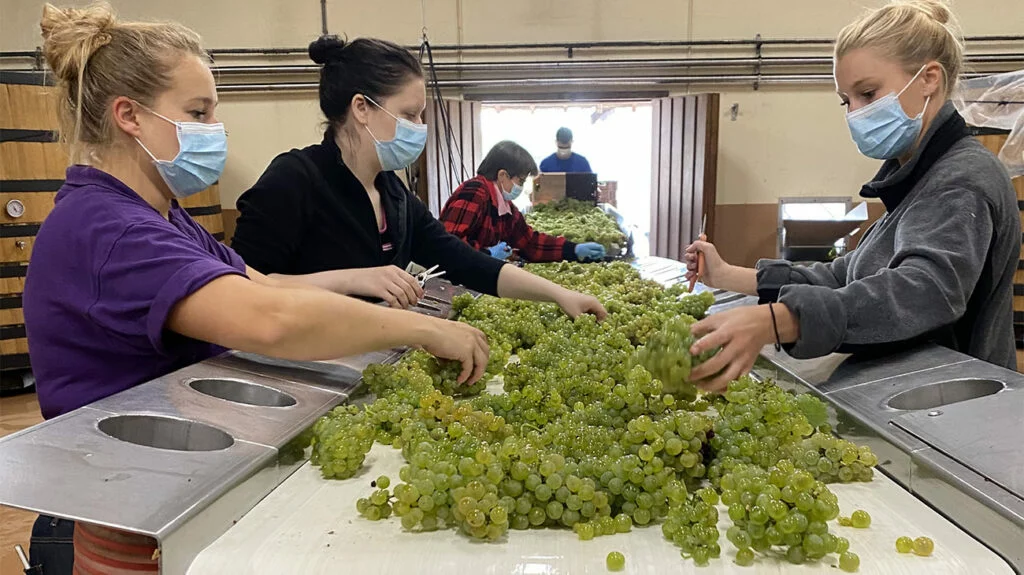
[(471, 213)]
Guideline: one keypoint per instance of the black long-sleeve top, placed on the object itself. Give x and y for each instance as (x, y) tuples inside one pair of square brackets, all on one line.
[(309, 213)]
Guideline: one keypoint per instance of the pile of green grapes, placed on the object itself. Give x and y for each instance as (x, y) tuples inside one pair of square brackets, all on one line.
[(578, 222), (585, 437)]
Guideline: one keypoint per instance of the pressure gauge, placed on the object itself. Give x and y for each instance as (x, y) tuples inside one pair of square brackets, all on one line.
[(15, 208)]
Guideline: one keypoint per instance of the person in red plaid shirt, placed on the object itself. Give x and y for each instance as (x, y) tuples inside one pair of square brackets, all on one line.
[(481, 212)]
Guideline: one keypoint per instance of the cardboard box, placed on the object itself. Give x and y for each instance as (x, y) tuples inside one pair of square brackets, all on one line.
[(606, 192), (551, 187)]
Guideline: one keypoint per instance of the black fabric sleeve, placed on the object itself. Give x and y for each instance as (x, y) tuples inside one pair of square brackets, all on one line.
[(432, 245), (272, 216), (569, 251)]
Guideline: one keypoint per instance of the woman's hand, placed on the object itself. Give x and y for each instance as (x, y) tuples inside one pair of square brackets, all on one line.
[(463, 343), (389, 283), (714, 265), (500, 251), (741, 333), (589, 252), (575, 304)]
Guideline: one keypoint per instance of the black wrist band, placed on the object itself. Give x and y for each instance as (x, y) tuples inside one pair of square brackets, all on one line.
[(775, 326)]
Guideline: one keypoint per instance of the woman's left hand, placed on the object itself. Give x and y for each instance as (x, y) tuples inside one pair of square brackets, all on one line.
[(741, 333), (575, 304)]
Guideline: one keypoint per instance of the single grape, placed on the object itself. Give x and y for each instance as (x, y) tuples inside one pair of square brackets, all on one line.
[(585, 531), (745, 557), (860, 519), (904, 544), (923, 546), (849, 562), (701, 555), (623, 523), (379, 497), (615, 561)]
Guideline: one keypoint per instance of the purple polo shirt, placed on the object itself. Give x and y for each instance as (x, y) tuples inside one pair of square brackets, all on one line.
[(105, 272)]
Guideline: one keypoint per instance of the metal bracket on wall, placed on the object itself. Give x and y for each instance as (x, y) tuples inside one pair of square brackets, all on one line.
[(758, 43)]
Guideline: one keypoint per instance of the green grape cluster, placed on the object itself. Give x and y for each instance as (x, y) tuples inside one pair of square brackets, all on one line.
[(583, 436), (578, 222), (341, 439), (377, 506), (760, 423), (667, 357), (832, 459), (780, 507), (418, 368), (692, 525)]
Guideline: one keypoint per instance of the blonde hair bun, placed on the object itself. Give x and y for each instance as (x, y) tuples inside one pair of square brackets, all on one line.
[(96, 58), (71, 34), (934, 9)]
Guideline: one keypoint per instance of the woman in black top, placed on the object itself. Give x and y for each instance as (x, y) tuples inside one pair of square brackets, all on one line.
[(335, 215)]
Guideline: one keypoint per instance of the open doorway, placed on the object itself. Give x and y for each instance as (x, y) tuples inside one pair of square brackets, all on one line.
[(615, 139)]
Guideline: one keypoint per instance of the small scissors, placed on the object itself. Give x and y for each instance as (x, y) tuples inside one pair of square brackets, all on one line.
[(428, 274)]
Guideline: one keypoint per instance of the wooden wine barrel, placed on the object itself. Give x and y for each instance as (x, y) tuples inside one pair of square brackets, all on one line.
[(32, 164), (205, 209), (994, 139), (104, 551)]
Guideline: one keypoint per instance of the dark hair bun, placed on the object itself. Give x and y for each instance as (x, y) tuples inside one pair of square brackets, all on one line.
[(327, 49)]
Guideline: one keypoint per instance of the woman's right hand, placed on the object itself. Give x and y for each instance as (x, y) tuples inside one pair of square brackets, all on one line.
[(389, 283), (463, 343), (714, 265)]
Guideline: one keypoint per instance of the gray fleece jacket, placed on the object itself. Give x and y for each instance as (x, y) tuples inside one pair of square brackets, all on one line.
[(938, 266)]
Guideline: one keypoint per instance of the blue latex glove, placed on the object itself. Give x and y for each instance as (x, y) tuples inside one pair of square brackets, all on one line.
[(500, 251), (589, 252)]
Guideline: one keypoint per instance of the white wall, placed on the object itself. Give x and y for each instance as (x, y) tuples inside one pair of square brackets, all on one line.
[(785, 141)]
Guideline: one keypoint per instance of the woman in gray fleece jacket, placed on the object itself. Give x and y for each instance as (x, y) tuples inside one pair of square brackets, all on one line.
[(938, 266)]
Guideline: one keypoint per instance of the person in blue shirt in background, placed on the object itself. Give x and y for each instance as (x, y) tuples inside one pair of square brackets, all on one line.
[(564, 160)]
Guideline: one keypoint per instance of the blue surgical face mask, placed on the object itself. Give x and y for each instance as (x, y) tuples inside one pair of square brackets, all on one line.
[(514, 192), (404, 148), (511, 194), (882, 130), (202, 152)]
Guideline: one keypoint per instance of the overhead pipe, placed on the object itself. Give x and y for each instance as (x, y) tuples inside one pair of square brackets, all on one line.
[(752, 42), (676, 43), (723, 62), (541, 82), (453, 67), (776, 79)]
